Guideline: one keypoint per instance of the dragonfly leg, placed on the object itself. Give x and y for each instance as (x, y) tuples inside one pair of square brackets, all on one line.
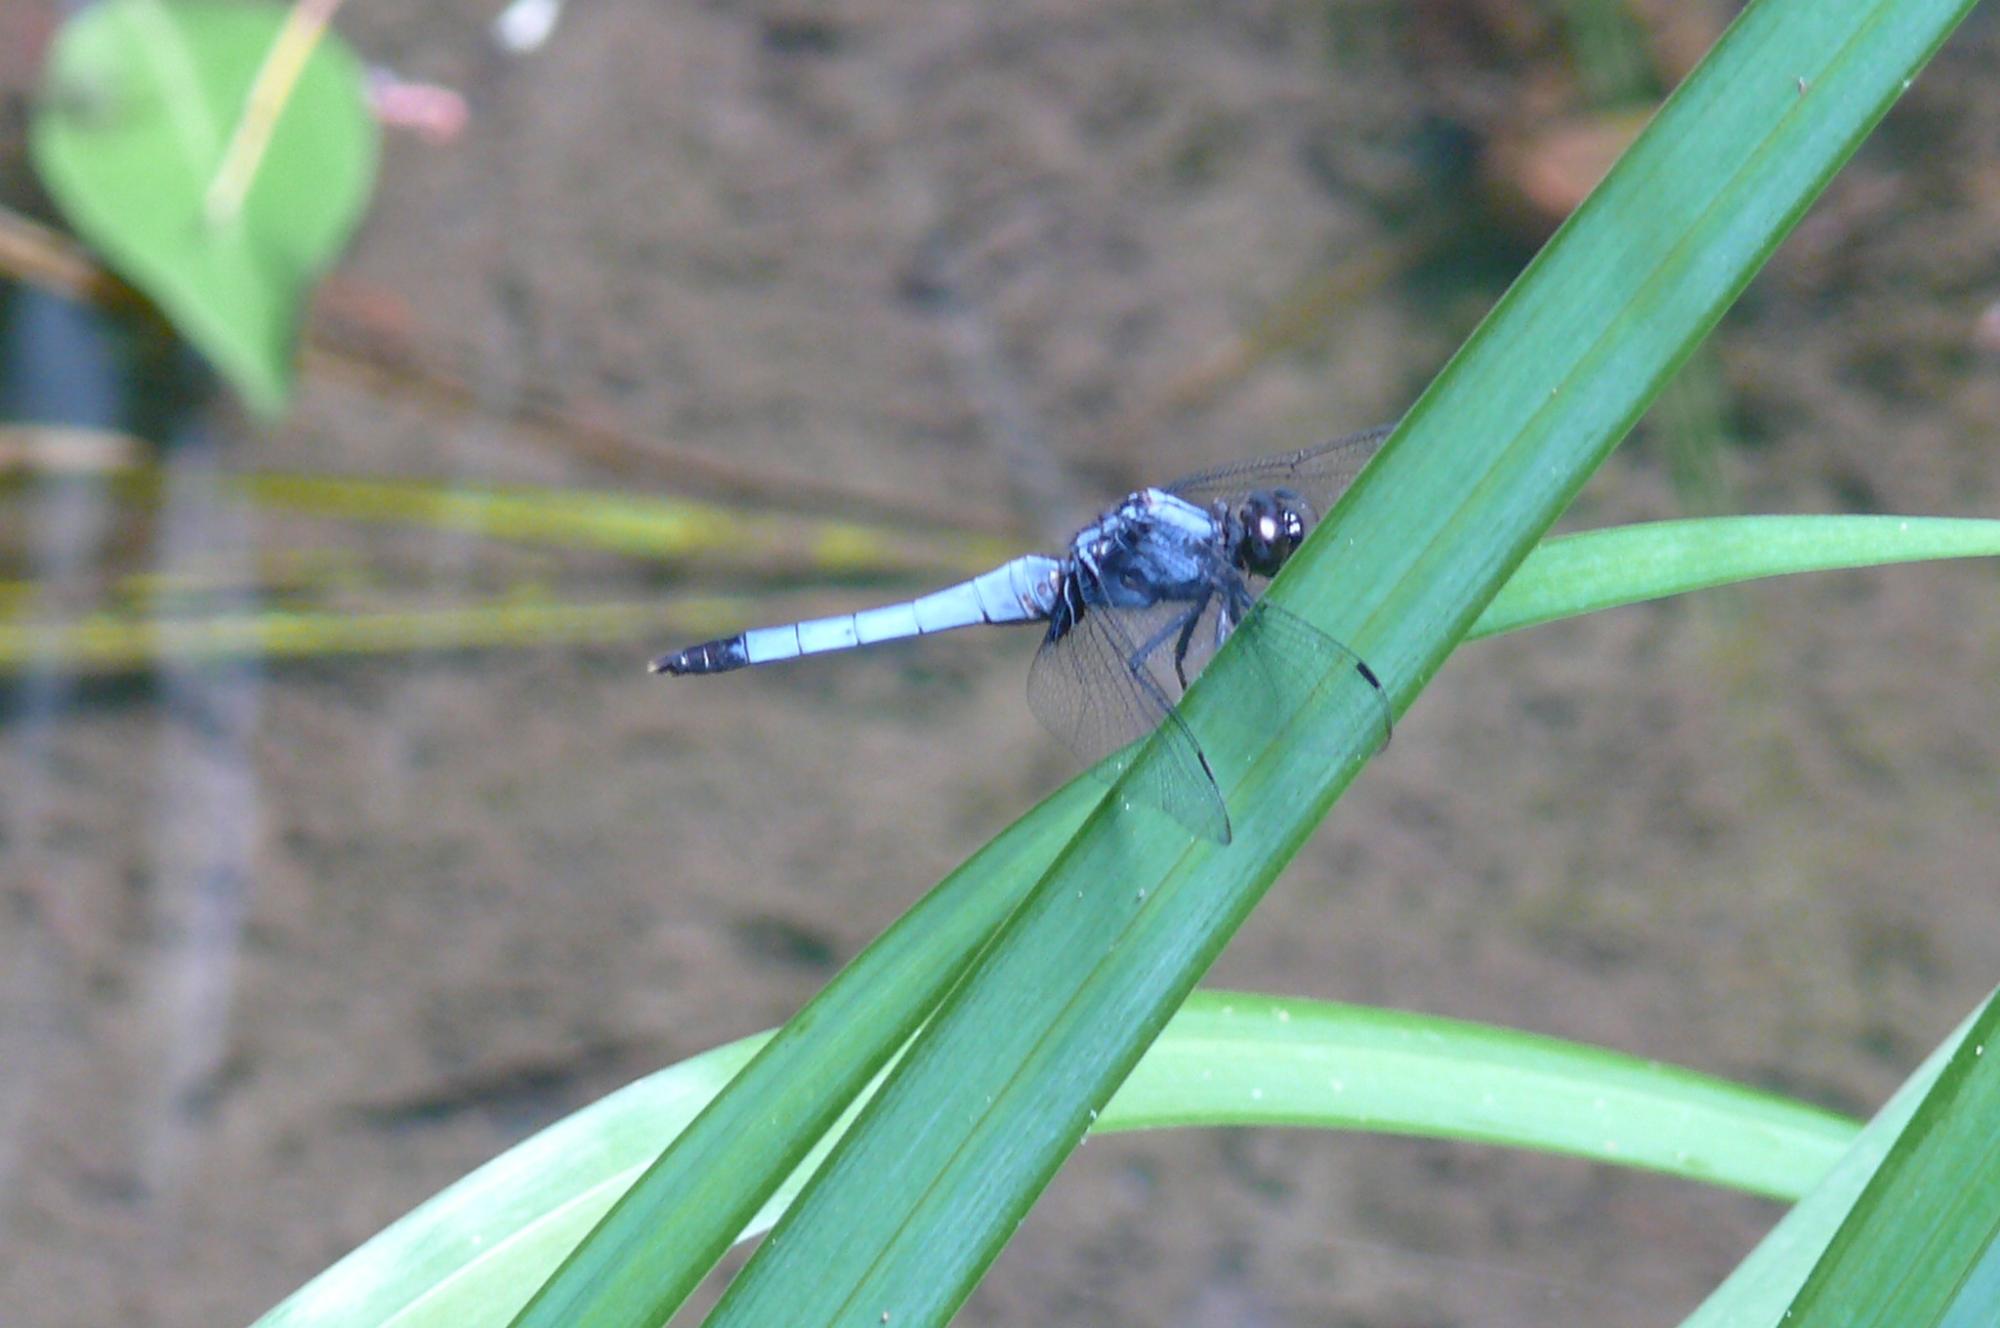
[(1187, 636), (1236, 606), (1182, 623)]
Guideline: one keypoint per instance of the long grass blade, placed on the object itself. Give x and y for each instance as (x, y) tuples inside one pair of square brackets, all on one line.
[(1602, 569), (915, 1202), (1760, 1291), (472, 1255), (1928, 1219)]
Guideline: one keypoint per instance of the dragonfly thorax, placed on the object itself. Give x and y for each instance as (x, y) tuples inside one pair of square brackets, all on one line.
[(1151, 548)]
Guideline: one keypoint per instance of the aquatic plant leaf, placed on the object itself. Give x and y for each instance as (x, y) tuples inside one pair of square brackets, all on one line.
[(140, 102), (471, 1255)]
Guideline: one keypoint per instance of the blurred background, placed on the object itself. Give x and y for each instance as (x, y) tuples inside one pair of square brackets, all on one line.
[(289, 942)]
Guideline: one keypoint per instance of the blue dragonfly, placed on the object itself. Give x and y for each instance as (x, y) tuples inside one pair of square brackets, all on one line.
[(1137, 604)]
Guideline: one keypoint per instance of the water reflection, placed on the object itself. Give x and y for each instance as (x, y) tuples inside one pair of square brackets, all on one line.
[(69, 366)]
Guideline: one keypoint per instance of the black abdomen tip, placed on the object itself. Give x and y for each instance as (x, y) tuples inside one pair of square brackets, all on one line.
[(708, 657)]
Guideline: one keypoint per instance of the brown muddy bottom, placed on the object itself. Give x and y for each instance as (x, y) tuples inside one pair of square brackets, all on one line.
[(290, 949)]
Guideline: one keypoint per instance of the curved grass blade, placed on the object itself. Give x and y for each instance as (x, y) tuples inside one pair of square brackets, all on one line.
[(1929, 1215), (1657, 559), (1761, 1290), (1180, 1082), (474, 1253), (1229, 1058), (666, 1232), (1563, 577), (1602, 569), (915, 1202), (1978, 1300)]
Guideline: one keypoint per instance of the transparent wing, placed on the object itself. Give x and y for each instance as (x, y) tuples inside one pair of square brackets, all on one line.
[(1317, 474), (1109, 683), (1095, 689), (1291, 656)]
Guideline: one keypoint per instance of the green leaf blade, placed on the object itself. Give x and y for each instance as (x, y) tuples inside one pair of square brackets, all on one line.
[(698, 1197), (943, 1165), (472, 1255), (1762, 1289), (1242, 1059), (140, 104), (1602, 569), (1926, 1223)]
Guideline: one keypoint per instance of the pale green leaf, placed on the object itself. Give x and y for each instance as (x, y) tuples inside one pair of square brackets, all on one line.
[(140, 99)]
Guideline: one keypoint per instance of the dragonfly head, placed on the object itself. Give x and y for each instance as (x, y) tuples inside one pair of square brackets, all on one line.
[(1273, 524)]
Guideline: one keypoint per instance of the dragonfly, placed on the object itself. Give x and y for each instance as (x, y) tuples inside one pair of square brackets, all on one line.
[(1132, 610)]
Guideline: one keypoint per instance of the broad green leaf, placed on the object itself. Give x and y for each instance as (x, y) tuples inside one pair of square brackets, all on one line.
[(942, 1165), (1927, 1220), (690, 1205), (1759, 1293), (473, 1254), (1977, 1303), (1654, 560), (140, 101)]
